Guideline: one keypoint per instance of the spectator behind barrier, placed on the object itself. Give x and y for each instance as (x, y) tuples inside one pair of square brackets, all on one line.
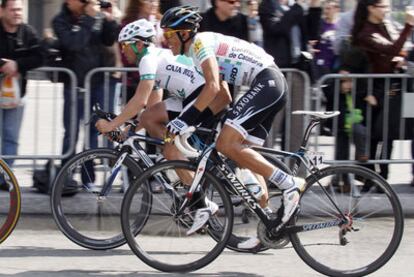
[(167, 4), (384, 55), (224, 17), (287, 29), (20, 52), (343, 29), (324, 55), (82, 30), (253, 20), (351, 123)]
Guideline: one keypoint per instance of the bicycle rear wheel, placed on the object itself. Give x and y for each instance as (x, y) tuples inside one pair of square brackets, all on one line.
[(371, 234), (11, 201), (162, 242), (87, 219)]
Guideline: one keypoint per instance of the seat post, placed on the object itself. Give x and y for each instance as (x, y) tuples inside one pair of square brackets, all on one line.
[(312, 124)]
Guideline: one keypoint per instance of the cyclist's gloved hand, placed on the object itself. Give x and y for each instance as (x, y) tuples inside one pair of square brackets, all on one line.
[(177, 126), (188, 118)]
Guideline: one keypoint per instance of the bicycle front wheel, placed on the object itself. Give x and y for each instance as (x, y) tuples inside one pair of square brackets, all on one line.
[(86, 217), (161, 241), (11, 201), (368, 237)]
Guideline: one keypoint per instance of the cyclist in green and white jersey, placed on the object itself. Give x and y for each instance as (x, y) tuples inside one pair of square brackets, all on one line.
[(240, 63), (159, 69)]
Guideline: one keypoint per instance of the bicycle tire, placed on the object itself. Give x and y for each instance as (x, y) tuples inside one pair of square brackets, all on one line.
[(376, 219), (242, 227), (12, 196), (161, 242), (85, 218)]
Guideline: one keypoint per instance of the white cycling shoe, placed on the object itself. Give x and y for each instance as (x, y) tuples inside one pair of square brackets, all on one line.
[(202, 216), (291, 198), (250, 243)]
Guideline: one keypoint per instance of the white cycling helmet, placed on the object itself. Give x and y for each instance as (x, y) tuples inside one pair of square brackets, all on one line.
[(140, 30)]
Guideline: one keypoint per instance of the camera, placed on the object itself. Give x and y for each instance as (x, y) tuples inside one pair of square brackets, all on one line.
[(105, 4)]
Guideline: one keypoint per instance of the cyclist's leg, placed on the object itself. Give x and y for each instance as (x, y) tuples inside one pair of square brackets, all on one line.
[(233, 145), (245, 121), (258, 107), (154, 118)]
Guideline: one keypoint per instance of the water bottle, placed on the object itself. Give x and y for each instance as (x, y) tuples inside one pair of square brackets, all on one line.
[(251, 182)]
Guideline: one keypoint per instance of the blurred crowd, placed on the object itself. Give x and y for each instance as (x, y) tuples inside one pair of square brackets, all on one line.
[(310, 35)]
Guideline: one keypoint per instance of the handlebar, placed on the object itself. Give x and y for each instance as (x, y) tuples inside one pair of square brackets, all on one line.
[(182, 144), (101, 114), (98, 112), (113, 135)]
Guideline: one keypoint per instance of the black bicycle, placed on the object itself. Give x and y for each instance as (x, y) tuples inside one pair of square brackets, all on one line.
[(335, 221), (88, 213)]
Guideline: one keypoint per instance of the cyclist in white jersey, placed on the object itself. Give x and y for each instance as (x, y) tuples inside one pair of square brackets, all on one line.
[(159, 69), (240, 63)]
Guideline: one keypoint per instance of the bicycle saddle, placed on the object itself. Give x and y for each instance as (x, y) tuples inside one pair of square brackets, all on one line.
[(320, 115)]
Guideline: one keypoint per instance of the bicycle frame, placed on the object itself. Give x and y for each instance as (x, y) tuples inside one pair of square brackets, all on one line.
[(240, 189), (130, 147)]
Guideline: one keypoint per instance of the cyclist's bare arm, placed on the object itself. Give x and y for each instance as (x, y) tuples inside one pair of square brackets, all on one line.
[(212, 84), (132, 108), (222, 100), (155, 97)]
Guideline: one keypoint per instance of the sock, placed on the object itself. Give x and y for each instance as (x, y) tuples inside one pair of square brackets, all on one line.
[(281, 179)]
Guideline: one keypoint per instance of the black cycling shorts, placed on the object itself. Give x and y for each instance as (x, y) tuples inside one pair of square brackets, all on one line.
[(253, 114)]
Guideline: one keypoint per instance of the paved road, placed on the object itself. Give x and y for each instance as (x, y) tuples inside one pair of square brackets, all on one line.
[(36, 248)]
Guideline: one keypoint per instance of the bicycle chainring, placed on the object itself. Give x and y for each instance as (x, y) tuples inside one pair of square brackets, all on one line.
[(269, 240)]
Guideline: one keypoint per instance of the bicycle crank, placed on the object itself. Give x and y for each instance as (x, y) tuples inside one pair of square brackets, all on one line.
[(269, 240)]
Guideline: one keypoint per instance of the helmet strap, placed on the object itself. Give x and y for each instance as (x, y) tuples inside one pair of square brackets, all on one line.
[(138, 54), (183, 41)]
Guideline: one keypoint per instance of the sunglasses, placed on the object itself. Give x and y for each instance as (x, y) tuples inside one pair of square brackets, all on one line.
[(124, 45), (231, 2), (382, 6), (170, 33)]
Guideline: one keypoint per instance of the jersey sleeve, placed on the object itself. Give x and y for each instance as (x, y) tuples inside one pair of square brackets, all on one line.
[(202, 49), (148, 68)]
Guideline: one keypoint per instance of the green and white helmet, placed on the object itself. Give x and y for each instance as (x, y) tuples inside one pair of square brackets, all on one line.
[(140, 30)]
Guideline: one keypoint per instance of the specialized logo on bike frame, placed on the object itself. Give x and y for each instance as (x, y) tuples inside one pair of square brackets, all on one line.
[(322, 225), (247, 98), (236, 183), (81, 161)]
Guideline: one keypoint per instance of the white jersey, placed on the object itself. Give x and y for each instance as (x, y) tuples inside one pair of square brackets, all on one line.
[(176, 74), (239, 61)]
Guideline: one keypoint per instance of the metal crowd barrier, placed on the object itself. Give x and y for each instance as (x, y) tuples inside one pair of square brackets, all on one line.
[(107, 79), (300, 91), (40, 135), (406, 111)]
